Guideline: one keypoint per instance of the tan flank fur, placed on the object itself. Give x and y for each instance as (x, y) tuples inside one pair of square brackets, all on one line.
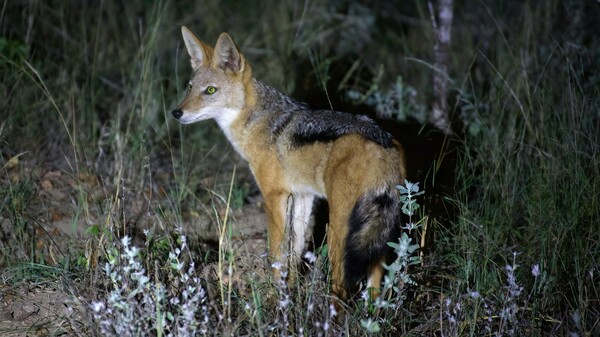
[(297, 154)]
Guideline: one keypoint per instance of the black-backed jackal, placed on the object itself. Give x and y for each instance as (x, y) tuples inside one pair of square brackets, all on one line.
[(297, 154)]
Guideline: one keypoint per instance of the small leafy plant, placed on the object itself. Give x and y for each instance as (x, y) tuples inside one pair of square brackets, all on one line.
[(139, 305), (397, 277)]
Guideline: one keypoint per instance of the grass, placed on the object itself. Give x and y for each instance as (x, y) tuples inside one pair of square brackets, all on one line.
[(89, 156)]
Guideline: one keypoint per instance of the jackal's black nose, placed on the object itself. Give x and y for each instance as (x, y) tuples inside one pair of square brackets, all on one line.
[(177, 113)]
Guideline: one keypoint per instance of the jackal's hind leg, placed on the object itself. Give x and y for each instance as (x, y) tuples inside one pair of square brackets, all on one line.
[(374, 278), (337, 232)]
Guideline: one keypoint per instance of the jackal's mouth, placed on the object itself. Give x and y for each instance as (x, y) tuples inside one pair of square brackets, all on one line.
[(186, 118), (190, 117)]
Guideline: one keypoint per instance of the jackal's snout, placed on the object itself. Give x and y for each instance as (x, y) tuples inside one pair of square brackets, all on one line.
[(177, 113)]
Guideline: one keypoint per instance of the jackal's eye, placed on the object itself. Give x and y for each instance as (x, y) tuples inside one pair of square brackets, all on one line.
[(210, 90), (189, 87)]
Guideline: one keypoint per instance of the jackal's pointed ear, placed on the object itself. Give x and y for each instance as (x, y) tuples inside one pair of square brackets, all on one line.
[(199, 52), (226, 55)]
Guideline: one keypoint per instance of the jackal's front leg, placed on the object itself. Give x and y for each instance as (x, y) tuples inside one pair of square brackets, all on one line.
[(288, 217), (298, 223), (275, 206)]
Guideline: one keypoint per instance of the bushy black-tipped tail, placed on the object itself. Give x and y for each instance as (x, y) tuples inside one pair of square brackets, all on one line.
[(374, 221)]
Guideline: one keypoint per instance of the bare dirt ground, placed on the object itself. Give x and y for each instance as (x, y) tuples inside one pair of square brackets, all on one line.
[(33, 310), (35, 307)]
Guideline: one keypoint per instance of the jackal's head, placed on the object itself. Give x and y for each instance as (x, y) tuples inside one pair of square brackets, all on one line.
[(217, 88)]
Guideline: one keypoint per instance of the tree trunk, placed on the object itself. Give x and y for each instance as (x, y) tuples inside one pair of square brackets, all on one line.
[(441, 21)]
